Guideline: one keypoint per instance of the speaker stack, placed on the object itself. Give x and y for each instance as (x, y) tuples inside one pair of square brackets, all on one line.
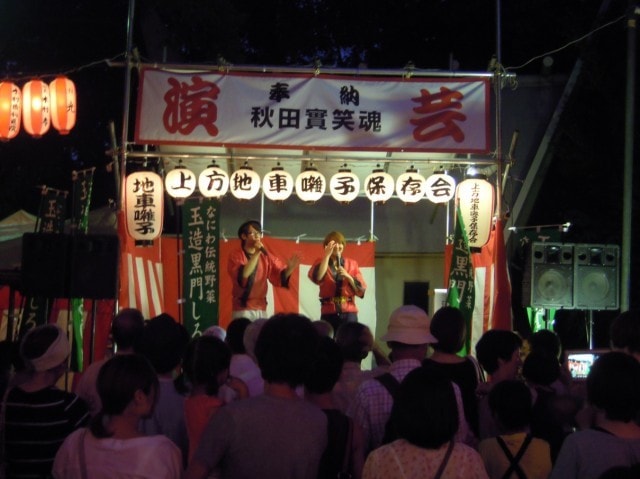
[(65, 266), (573, 276)]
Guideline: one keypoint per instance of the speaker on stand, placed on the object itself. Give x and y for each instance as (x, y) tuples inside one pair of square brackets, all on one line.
[(551, 285), (596, 279)]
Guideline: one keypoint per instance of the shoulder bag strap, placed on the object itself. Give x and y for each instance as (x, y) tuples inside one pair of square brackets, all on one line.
[(346, 460), (514, 466), (3, 422), (444, 462), (83, 460)]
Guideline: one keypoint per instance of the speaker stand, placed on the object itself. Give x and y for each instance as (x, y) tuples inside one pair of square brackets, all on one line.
[(590, 328)]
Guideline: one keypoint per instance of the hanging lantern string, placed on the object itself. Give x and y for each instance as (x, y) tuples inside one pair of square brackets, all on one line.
[(20, 76)]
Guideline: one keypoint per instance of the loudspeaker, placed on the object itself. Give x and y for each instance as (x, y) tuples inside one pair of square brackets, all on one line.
[(551, 275), (44, 265), (596, 280), (94, 266)]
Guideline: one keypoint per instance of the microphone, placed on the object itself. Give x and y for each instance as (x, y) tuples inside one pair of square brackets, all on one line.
[(339, 256), (263, 251)]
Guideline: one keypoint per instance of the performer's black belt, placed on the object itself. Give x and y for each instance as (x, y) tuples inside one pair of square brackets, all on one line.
[(337, 300)]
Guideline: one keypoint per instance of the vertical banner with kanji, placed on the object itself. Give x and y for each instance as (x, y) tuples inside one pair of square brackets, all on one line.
[(460, 289), (200, 236), (82, 182), (51, 216)]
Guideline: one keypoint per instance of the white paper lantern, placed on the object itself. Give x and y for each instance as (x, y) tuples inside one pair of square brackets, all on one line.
[(213, 182), (410, 186), (36, 108), (144, 205), (244, 183), (344, 186), (277, 185), (440, 187), (63, 104), (180, 182), (379, 186), (310, 185), (475, 197)]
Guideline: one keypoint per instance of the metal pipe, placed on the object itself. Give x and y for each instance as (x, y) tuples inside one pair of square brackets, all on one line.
[(127, 98)]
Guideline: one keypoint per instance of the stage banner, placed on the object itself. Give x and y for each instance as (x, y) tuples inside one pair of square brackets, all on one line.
[(82, 182), (200, 220), (51, 216), (307, 111), (461, 287)]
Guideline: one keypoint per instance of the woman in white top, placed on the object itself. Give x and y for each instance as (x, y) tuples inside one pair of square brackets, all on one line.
[(112, 447)]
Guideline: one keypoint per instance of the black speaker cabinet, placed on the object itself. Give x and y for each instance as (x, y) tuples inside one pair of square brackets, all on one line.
[(94, 266), (44, 269), (552, 275), (596, 276)]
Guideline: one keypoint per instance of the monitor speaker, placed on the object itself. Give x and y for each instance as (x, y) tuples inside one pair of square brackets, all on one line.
[(94, 266), (596, 277), (552, 276), (44, 270)]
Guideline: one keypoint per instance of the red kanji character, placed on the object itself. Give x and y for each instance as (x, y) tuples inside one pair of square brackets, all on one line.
[(436, 109), (191, 105)]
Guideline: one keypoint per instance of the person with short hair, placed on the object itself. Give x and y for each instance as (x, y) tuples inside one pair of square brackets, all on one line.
[(37, 415), (340, 282), (624, 333), (422, 428), (498, 352), (613, 390), (514, 450), (164, 343), (276, 434), (126, 331), (448, 326), (250, 268), (112, 446)]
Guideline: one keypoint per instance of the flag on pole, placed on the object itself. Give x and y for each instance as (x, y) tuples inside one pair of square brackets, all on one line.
[(460, 285)]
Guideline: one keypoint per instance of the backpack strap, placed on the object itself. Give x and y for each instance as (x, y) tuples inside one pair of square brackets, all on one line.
[(444, 462), (390, 383), (514, 467)]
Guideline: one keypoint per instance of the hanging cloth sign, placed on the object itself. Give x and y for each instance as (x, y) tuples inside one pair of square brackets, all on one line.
[(200, 237), (307, 111)]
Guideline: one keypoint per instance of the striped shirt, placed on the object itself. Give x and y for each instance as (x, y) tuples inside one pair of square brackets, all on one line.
[(36, 425)]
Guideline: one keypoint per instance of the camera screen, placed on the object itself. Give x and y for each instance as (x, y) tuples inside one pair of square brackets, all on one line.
[(580, 364)]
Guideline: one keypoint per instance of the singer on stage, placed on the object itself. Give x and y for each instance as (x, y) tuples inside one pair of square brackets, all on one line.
[(340, 282), (250, 268)]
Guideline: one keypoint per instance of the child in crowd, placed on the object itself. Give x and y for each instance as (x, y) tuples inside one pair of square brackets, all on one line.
[(206, 368), (514, 452)]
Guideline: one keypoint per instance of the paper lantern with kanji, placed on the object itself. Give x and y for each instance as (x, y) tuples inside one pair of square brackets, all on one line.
[(244, 183), (410, 186), (213, 182), (440, 187), (63, 104), (310, 185), (379, 186), (180, 182), (10, 110), (475, 197), (144, 205), (277, 185), (36, 108), (344, 186)]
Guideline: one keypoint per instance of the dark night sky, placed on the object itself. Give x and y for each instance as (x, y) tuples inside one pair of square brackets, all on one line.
[(583, 184)]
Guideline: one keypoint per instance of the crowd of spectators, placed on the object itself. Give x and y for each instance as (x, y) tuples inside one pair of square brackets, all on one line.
[(287, 397)]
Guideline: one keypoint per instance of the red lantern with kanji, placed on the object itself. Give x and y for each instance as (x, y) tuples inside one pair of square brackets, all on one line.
[(63, 104), (36, 108), (10, 110)]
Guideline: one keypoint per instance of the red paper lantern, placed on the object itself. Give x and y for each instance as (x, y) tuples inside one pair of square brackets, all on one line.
[(10, 110), (63, 104), (36, 111)]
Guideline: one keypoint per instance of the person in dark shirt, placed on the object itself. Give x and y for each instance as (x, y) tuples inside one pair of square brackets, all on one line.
[(38, 415)]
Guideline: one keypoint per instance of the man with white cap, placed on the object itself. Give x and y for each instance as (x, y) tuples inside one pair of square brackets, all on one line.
[(37, 415), (408, 336)]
